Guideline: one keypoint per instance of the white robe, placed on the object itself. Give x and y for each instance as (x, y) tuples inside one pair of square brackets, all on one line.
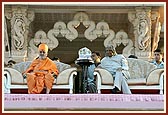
[(112, 64)]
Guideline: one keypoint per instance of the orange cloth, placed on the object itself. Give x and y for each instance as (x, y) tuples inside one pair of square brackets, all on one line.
[(43, 47), (39, 74)]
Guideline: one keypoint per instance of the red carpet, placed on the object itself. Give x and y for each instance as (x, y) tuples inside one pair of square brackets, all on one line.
[(82, 102)]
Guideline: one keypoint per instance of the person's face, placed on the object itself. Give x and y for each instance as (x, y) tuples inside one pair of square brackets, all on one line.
[(10, 64), (158, 56), (94, 57), (42, 54), (109, 52)]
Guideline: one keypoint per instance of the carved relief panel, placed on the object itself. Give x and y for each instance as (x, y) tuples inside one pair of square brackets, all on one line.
[(20, 19), (141, 20)]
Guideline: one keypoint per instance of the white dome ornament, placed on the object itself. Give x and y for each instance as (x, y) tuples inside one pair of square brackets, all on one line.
[(84, 53)]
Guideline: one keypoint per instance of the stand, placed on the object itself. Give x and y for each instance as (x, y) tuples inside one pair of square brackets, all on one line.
[(84, 63)]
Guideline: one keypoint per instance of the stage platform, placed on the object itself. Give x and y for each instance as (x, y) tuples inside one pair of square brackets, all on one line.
[(83, 102)]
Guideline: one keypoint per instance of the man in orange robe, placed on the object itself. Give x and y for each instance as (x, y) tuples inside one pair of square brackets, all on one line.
[(41, 72)]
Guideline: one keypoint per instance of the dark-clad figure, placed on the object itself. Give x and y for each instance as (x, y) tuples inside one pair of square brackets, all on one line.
[(91, 80)]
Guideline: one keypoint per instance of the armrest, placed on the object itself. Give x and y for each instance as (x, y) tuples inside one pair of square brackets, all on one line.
[(154, 77), (7, 79), (64, 76), (106, 77), (15, 76)]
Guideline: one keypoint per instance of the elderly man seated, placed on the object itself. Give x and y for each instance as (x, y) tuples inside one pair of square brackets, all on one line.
[(117, 65), (41, 72)]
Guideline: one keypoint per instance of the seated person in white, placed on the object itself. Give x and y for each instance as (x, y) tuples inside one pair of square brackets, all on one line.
[(117, 65)]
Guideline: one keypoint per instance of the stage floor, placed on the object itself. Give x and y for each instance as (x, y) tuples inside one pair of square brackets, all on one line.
[(83, 102)]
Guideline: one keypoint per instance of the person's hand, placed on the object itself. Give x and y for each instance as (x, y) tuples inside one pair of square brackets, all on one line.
[(24, 76), (41, 72), (54, 75), (119, 69), (99, 66)]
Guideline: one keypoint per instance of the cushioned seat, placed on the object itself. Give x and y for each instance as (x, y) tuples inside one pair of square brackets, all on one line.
[(138, 81), (64, 80), (143, 75)]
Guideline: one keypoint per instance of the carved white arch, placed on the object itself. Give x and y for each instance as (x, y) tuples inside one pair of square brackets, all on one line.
[(81, 16), (41, 37), (72, 32), (122, 38), (106, 31), (69, 31), (91, 33), (101, 29)]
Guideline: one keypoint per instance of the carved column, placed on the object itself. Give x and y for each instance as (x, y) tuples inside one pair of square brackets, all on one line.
[(20, 19), (157, 29), (141, 20), (6, 42)]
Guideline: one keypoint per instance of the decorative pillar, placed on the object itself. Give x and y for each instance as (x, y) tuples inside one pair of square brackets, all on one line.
[(20, 19), (141, 20), (157, 30), (7, 53)]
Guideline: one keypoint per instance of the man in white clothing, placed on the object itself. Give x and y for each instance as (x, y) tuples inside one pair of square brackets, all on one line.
[(117, 65)]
